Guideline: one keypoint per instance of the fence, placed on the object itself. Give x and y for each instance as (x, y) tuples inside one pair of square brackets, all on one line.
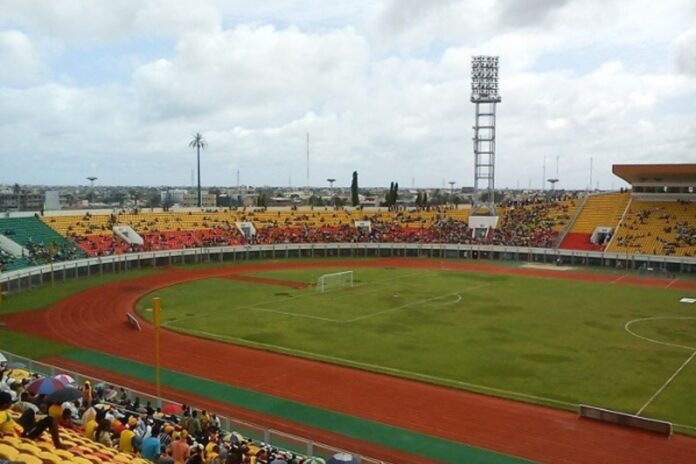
[(258, 433), (25, 279)]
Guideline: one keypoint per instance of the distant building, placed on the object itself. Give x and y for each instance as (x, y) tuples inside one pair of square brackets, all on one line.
[(22, 201), (188, 199)]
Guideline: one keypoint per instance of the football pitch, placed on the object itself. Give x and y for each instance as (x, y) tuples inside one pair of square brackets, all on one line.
[(546, 341)]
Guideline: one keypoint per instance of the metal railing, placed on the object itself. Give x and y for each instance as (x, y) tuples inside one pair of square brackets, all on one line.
[(25, 279), (255, 432)]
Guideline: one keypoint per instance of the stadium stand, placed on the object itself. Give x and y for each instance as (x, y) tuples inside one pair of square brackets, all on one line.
[(33, 235), (604, 210), (107, 424), (657, 228)]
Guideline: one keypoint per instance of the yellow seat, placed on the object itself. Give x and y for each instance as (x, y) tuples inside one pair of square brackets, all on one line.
[(81, 460), (12, 441), (27, 459), (49, 458), (29, 449), (8, 452), (66, 455)]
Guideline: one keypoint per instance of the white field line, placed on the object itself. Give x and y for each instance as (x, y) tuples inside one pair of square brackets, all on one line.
[(295, 297), (287, 313), (414, 303), (664, 385), (340, 321), (618, 279), (377, 368), (671, 283), (627, 328)]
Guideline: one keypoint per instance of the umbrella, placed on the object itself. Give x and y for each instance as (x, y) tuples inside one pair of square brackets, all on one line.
[(314, 461), (343, 458), (44, 386), (3, 359), (16, 365), (279, 461), (172, 409), (64, 394), (104, 406), (65, 379)]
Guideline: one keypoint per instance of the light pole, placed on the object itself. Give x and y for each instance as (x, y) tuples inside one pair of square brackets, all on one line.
[(452, 190), (91, 180), (331, 181)]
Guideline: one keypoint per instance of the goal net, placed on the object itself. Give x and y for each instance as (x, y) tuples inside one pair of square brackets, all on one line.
[(334, 281)]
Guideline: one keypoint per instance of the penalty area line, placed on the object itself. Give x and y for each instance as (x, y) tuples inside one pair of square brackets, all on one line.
[(664, 385)]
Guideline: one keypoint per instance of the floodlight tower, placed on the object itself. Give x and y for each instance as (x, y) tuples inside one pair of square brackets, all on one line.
[(484, 94)]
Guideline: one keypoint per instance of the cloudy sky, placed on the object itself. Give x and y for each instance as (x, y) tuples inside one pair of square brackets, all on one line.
[(116, 88)]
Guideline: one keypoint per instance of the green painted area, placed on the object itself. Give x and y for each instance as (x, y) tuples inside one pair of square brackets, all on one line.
[(547, 341), (31, 347), (48, 295), (354, 427)]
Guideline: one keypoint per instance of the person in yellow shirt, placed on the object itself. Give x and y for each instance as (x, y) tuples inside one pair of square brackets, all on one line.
[(125, 441), (90, 427), (27, 426), (55, 410)]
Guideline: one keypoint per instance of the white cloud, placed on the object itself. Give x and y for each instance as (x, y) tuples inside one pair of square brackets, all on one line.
[(88, 21), (254, 74), (684, 52), (20, 61), (367, 86)]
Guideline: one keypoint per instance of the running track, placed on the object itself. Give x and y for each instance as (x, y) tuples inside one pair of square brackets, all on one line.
[(533, 432)]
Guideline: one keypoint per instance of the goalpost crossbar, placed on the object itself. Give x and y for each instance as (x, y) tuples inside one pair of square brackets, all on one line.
[(342, 279)]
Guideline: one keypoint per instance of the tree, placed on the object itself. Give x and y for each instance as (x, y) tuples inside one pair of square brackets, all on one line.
[(315, 200), (168, 201), (419, 199), (262, 200), (354, 197), (424, 200), (198, 142), (155, 200), (389, 195)]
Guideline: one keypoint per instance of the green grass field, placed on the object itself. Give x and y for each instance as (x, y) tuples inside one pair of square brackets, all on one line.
[(546, 341)]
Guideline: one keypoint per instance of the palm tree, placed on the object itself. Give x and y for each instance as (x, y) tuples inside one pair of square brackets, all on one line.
[(198, 142)]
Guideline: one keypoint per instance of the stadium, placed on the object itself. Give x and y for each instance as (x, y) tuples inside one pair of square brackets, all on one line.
[(311, 325), (404, 341)]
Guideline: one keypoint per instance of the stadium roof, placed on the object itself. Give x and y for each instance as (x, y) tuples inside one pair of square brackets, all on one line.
[(655, 173)]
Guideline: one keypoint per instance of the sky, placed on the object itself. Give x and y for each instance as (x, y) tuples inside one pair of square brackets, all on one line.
[(117, 89)]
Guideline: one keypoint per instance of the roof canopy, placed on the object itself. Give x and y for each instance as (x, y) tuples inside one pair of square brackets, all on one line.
[(660, 174)]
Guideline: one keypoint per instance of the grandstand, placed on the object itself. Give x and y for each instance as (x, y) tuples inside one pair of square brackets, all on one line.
[(598, 211), (78, 427), (651, 219)]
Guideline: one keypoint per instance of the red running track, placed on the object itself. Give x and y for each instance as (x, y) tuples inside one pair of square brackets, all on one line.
[(534, 432)]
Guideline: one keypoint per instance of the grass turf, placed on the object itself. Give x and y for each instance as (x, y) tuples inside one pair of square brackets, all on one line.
[(546, 341)]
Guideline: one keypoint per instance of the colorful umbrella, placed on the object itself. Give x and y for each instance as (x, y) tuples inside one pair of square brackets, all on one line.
[(172, 409), (343, 458), (44, 386), (65, 379), (3, 359), (64, 394)]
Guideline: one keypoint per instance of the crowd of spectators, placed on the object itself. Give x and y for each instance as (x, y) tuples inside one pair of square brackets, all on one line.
[(109, 416), (669, 233)]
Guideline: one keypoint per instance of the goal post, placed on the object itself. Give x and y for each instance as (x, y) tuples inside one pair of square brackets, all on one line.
[(335, 280)]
